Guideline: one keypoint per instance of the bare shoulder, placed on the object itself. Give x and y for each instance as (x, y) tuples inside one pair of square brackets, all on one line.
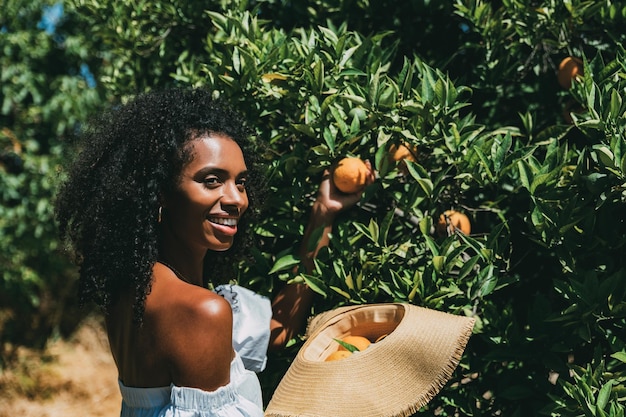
[(194, 328)]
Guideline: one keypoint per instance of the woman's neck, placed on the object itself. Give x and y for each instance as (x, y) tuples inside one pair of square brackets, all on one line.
[(182, 260)]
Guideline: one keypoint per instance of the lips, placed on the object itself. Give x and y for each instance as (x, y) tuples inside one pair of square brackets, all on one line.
[(224, 221)]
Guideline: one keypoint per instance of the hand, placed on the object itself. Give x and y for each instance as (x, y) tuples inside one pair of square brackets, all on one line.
[(331, 201), (292, 304)]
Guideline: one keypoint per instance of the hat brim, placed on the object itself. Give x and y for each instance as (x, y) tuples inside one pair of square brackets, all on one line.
[(393, 377)]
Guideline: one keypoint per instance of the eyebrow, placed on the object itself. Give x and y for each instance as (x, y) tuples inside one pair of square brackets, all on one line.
[(203, 172)]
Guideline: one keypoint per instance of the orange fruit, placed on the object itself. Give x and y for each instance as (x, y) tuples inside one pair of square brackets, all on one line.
[(350, 175), (569, 68), (359, 342), (402, 152), (338, 354), (452, 220)]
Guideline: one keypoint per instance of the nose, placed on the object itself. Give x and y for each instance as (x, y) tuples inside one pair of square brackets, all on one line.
[(234, 197)]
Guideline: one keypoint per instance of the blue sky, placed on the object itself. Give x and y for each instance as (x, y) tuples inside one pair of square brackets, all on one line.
[(51, 17)]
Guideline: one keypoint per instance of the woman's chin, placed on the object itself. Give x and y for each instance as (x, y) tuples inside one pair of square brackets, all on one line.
[(221, 249), (221, 246)]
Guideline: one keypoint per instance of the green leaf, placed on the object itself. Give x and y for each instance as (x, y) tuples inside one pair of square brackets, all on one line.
[(620, 356), (525, 173), (284, 263), (385, 226), (373, 87), (434, 249), (417, 172), (365, 231), (318, 72), (236, 61), (468, 266), (304, 128), (349, 281), (604, 395), (439, 263), (615, 108), (405, 78), (485, 162), (329, 35), (329, 138), (499, 150), (347, 54), (540, 180), (340, 120), (374, 230), (427, 84), (315, 284), (473, 243), (338, 291), (348, 346), (605, 156), (354, 98), (355, 124)]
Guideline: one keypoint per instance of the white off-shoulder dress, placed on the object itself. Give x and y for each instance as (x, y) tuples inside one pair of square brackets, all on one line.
[(242, 396)]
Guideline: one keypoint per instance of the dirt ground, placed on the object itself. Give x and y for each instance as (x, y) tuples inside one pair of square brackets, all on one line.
[(71, 378)]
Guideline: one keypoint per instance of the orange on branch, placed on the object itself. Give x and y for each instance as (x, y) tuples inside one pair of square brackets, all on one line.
[(569, 68), (452, 220), (350, 175), (402, 152)]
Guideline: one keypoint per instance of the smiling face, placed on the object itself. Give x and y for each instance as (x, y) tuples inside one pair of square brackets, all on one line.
[(204, 209)]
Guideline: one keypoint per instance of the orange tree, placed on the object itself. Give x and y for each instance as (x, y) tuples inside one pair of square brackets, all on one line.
[(472, 85)]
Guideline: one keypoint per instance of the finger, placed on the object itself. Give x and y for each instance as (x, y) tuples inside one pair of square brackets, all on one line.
[(371, 174)]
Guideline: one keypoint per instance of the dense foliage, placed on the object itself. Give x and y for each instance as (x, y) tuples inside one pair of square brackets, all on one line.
[(46, 90), (539, 170)]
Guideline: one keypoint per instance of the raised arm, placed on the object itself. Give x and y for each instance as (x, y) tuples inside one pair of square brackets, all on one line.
[(291, 305)]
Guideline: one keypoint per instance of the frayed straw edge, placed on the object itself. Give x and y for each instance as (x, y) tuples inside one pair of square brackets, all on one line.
[(435, 387), (448, 371)]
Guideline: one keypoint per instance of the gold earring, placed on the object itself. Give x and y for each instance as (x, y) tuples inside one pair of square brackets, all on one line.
[(160, 215)]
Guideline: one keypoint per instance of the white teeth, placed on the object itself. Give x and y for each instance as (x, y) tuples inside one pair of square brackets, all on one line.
[(223, 221)]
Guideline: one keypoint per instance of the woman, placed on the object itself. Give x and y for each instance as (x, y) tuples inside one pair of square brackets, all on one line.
[(156, 207)]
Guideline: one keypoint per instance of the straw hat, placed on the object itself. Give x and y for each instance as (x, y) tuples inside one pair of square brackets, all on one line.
[(395, 376)]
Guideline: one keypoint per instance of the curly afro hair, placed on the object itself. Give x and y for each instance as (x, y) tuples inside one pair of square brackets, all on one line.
[(127, 158)]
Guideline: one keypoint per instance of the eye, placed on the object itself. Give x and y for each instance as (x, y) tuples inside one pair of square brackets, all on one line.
[(211, 181), (241, 183)]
